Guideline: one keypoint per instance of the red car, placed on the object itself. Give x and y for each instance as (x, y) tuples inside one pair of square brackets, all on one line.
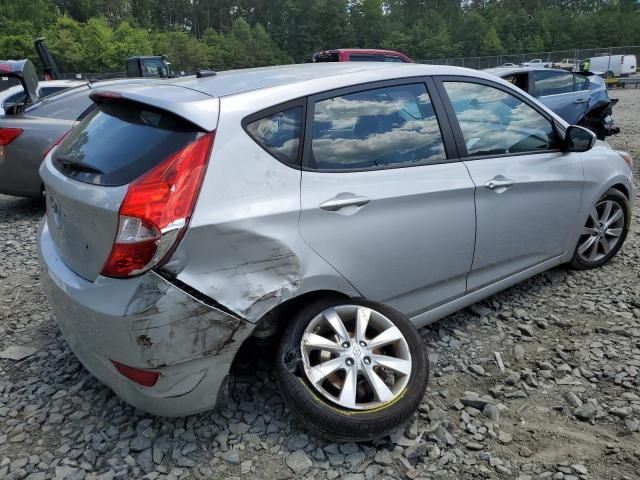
[(360, 55)]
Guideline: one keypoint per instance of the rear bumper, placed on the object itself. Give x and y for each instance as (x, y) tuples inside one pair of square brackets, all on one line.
[(147, 323)]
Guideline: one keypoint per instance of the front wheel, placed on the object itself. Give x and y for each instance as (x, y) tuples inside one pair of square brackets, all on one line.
[(352, 370), (604, 232)]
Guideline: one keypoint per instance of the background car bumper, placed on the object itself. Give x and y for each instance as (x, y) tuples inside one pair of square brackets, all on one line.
[(146, 323)]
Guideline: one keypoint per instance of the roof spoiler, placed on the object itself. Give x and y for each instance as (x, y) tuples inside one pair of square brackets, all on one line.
[(194, 106), (25, 72)]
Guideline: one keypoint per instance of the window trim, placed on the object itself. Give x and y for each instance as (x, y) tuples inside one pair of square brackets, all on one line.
[(455, 125), (273, 110), (451, 151)]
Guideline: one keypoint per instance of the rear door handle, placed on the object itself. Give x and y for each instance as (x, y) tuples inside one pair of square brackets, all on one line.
[(499, 183), (342, 201), (580, 100)]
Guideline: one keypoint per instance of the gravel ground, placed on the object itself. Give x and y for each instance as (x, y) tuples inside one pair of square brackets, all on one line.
[(564, 405)]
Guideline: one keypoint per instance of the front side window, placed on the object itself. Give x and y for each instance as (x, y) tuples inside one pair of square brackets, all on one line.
[(552, 83), (496, 122), (279, 134), (392, 58), (384, 127)]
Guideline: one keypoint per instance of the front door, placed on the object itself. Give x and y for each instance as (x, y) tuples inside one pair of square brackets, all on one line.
[(381, 200), (527, 190)]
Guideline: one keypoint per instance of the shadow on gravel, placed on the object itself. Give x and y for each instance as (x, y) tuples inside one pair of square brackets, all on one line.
[(27, 208)]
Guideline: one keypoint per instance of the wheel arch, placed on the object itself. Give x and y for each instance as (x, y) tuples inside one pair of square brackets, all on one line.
[(279, 317)]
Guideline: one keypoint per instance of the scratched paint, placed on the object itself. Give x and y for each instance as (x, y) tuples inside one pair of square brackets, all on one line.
[(171, 327)]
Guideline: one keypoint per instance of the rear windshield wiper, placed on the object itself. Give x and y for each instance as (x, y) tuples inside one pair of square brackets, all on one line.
[(73, 165)]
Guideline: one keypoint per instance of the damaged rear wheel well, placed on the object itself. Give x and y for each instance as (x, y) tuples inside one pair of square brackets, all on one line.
[(278, 318)]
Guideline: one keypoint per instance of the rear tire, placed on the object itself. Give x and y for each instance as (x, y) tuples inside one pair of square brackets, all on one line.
[(605, 231), (321, 406)]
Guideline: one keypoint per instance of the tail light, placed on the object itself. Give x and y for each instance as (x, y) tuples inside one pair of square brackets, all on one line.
[(8, 135), (156, 210)]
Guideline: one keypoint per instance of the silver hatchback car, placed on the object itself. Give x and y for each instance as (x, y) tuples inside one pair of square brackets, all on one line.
[(331, 207)]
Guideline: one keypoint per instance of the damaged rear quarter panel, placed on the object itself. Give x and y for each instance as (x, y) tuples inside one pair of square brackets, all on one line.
[(243, 248), (171, 327)]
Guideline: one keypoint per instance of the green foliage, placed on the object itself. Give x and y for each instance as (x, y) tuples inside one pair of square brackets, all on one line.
[(98, 35)]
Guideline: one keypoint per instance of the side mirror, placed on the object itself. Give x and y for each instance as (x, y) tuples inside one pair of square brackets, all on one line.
[(578, 139)]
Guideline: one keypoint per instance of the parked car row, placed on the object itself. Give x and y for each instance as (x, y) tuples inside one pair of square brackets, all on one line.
[(330, 207), (605, 65)]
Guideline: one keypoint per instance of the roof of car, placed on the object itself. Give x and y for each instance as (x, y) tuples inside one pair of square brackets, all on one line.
[(500, 71), (238, 81)]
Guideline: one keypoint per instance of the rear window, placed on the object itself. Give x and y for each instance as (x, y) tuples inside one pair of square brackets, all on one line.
[(326, 57), (362, 57), (119, 141), (279, 134)]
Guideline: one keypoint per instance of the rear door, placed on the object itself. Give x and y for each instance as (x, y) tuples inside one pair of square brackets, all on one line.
[(384, 199), (527, 190), (560, 92)]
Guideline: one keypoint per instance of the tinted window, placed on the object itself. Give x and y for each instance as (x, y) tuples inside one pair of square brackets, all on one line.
[(118, 142), (45, 91), (326, 57), (154, 67), (392, 126), (495, 122), (520, 80), (580, 83), (361, 57), (391, 58), (552, 83), (279, 134)]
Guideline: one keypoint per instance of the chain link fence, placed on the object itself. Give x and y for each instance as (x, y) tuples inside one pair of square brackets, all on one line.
[(562, 58)]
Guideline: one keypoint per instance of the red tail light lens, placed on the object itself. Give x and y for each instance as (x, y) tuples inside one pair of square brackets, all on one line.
[(141, 377), (8, 135), (156, 210)]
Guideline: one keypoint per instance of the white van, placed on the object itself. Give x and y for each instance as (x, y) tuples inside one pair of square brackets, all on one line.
[(610, 65)]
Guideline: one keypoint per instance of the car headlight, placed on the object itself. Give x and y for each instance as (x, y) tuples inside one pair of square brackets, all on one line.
[(626, 157)]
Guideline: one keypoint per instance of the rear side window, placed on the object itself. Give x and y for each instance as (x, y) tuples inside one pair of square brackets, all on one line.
[(386, 127), (552, 83), (279, 134), (119, 141), (580, 83), (391, 58)]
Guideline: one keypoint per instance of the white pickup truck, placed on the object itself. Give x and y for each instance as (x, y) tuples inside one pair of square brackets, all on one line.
[(536, 63)]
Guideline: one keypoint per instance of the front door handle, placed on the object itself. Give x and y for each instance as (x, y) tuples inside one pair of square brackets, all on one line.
[(342, 201), (499, 183), (580, 100)]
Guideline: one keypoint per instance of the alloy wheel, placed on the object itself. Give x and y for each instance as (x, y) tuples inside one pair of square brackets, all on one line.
[(355, 357), (602, 232)]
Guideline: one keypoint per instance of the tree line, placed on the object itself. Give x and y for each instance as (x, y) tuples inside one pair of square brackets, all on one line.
[(98, 35)]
